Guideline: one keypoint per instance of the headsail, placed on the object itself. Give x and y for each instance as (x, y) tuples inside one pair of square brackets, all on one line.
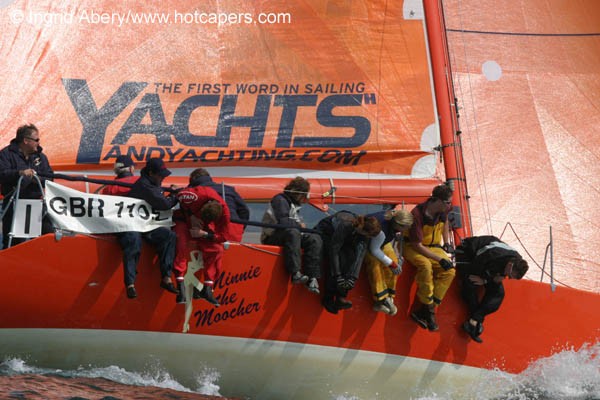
[(341, 86)]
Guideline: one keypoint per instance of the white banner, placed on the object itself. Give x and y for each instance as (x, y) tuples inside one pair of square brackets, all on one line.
[(81, 212)]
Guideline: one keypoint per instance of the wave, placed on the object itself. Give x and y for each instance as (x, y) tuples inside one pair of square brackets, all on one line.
[(571, 374), (153, 376)]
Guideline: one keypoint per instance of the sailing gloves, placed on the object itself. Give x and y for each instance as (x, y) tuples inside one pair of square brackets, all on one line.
[(446, 264), (345, 283), (448, 248), (396, 269)]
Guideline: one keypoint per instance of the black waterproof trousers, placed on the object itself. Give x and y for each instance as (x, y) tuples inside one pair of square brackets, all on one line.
[(299, 248)]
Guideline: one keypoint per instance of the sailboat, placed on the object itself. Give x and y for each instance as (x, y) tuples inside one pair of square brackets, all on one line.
[(358, 97)]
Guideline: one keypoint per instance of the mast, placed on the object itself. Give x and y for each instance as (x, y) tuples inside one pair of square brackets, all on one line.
[(451, 147)]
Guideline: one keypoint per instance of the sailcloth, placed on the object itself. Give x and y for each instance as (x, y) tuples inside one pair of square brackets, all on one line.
[(527, 78)]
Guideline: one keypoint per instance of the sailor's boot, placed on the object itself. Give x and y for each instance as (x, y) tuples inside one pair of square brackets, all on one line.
[(207, 294), (180, 299), (329, 304), (342, 304), (430, 317), (420, 314)]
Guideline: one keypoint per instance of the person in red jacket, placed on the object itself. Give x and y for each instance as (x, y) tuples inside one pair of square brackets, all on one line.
[(204, 220), (124, 169)]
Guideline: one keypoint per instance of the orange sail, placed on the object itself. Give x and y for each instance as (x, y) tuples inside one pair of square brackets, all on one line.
[(343, 87), (355, 95), (527, 83)]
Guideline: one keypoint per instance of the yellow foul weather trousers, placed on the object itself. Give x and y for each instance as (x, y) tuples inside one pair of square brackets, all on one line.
[(432, 280), (381, 278)]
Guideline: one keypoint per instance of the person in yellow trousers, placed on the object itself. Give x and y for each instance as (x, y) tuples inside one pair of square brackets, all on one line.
[(424, 249), (382, 262)]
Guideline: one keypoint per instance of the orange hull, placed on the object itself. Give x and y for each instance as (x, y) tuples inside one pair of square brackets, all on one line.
[(77, 283)]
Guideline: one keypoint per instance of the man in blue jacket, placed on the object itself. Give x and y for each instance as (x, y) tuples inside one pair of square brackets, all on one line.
[(23, 157), (163, 240)]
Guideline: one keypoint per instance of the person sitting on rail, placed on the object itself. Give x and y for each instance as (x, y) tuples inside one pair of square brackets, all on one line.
[(423, 249), (382, 262), (345, 236), (204, 222), (237, 206), (284, 210), (148, 188), (484, 262)]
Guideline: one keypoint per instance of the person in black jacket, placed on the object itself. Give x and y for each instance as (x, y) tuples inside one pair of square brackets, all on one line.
[(345, 237), (484, 262), (284, 211), (148, 188), (23, 157), (237, 206)]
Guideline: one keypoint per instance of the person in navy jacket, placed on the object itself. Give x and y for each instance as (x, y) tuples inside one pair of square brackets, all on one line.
[(23, 157), (148, 188)]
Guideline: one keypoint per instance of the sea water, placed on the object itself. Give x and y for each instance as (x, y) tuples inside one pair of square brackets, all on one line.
[(568, 375)]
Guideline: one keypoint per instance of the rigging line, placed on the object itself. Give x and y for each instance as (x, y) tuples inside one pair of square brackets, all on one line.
[(375, 200), (524, 33), (508, 224), (480, 178), (458, 150), (379, 68), (476, 147), (317, 195), (557, 230), (250, 246)]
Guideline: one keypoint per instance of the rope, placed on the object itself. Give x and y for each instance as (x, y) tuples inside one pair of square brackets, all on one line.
[(78, 178), (509, 225), (250, 246), (480, 179)]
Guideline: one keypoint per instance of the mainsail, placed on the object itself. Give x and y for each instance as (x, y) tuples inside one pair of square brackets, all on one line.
[(527, 79)]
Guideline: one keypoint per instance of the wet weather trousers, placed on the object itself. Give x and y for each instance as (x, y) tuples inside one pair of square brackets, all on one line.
[(212, 254), (299, 249), (432, 280), (161, 239), (381, 277), (490, 302)]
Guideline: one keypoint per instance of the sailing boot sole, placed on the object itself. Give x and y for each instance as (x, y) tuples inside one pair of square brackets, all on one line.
[(421, 322)]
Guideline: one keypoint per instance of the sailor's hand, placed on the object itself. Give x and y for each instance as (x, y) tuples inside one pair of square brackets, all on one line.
[(196, 222), (27, 172), (396, 268), (198, 233), (348, 283), (345, 283), (446, 264), (477, 280)]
